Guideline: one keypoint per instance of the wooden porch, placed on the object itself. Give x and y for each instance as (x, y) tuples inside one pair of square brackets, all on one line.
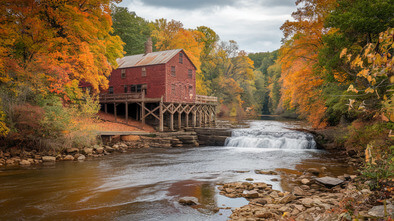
[(201, 113)]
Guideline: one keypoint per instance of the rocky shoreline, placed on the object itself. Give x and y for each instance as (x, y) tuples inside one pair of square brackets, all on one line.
[(314, 198)]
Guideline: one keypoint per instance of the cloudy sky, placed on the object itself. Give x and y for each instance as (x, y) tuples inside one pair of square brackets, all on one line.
[(254, 24)]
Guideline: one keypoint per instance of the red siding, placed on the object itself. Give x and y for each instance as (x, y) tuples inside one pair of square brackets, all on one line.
[(160, 81), (181, 81)]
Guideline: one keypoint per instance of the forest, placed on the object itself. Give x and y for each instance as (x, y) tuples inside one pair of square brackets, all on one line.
[(335, 67)]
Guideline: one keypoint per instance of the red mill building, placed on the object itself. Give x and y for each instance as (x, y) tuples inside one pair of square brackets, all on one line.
[(156, 85)]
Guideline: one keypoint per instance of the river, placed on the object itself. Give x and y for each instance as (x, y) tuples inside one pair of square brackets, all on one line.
[(145, 184)]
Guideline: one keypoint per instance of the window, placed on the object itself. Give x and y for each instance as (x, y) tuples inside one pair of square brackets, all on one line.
[(136, 88), (123, 73), (143, 72), (173, 71), (125, 88), (190, 73), (110, 90), (181, 58), (191, 91), (173, 89)]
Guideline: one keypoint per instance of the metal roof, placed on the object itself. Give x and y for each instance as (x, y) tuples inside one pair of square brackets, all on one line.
[(158, 57)]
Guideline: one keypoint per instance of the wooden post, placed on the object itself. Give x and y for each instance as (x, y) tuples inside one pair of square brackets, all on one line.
[(172, 121), (106, 108), (143, 107), (194, 116), (115, 111), (187, 120), (179, 120), (199, 118), (127, 113), (161, 126)]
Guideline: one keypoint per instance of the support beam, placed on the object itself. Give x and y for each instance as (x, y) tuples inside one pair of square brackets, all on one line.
[(161, 114), (127, 113), (143, 108), (179, 120), (115, 111), (187, 120), (194, 116), (171, 121), (106, 108)]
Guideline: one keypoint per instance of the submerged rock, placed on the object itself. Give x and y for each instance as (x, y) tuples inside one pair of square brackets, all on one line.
[(188, 201)]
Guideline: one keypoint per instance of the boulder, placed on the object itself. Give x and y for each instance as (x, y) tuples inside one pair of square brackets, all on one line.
[(314, 171), (329, 181), (24, 163), (378, 211), (266, 172), (109, 149), (81, 157), (286, 199), (298, 191), (307, 202), (188, 201), (88, 150), (68, 158), (48, 159), (305, 181), (249, 179), (250, 194), (100, 150), (264, 214)]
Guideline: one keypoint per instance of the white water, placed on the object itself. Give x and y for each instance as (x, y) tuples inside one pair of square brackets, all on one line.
[(270, 134)]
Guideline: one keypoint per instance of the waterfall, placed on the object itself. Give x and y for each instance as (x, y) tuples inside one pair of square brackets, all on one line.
[(270, 134)]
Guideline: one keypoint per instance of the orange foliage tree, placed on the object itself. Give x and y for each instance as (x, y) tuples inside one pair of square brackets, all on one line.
[(56, 42), (301, 78), (172, 35)]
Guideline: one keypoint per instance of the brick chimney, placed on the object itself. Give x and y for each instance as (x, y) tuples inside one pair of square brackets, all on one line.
[(148, 45)]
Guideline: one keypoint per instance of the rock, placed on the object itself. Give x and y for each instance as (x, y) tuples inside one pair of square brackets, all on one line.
[(100, 150), (88, 150), (261, 201), (274, 194), (305, 187), (314, 171), (329, 181), (48, 159), (299, 207), (109, 149), (249, 179), (274, 180), (266, 172), (353, 177), (305, 181), (188, 201), (298, 191), (250, 194), (307, 202), (264, 214), (68, 158), (378, 211), (25, 163), (72, 150), (10, 162), (286, 199), (81, 157)]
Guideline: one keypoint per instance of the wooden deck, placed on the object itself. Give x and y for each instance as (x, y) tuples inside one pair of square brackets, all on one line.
[(202, 111), (139, 97)]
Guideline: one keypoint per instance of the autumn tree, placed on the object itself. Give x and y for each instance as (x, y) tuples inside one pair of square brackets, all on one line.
[(301, 87), (172, 35), (133, 30)]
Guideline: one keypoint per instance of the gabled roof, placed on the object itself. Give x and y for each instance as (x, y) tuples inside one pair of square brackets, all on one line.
[(153, 58)]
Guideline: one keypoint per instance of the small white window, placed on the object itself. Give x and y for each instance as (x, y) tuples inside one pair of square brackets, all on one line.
[(143, 72), (173, 71), (123, 73)]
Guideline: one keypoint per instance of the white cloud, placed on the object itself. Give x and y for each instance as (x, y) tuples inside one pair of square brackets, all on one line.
[(253, 24)]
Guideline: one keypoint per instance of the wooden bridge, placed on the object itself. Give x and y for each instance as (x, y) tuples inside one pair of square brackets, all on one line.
[(201, 113)]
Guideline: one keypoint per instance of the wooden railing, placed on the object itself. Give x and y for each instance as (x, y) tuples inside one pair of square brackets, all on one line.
[(105, 98), (206, 99)]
